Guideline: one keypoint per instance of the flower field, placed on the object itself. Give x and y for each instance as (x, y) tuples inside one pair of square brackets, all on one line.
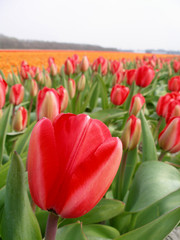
[(89, 145)]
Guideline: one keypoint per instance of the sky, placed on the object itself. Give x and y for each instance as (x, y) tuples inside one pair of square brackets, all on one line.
[(122, 24)]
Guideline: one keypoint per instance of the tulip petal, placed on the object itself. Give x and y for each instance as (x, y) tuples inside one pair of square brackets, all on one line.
[(91, 179), (42, 173)]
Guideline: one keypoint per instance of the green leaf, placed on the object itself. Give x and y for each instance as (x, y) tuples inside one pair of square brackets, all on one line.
[(100, 232), (23, 140), (72, 231), (131, 161), (42, 217), (153, 181), (89, 96), (103, 90), (157, 229), (128, 100), (149, 148), (156, 210), (108, 114), (4, 123), (94, 96), (18, 220), (2, 74), (104, 210)]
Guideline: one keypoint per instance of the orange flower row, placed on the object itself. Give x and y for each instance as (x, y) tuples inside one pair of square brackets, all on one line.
[(11, 59)]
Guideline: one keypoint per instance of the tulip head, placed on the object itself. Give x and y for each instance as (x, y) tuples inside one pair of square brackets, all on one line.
[(176, 66), (81, 83), (72, 174), (100, 62), (47, 80), (136, 104), (19, 121), (84, 65), (2, 94), (144, 76), (130, 76), (69, 67), (48, 104), (63, 98), (169, 138), (131, 133), (53, 69), (173, 109), (174, 84), (16, 94), (119, 94), (71, 87), (33, 88)]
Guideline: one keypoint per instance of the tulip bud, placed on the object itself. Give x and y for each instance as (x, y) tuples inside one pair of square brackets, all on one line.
[(10, 80), (144, 76), (47, 80), (63, 97), (118, 77), (33, 88), (130, 75), (174, 84), (176, 66), (1, 113), (81, 83), (169, 138), (71, 87), (119, 94), (53, 69), (68, 67), (39, 76), (20, 119), (48, 104), (2, 93), (131, 133), (136, 104), (16, 94), (84, 65)]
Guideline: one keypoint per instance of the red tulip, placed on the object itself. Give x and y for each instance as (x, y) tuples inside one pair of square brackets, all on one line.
[(2, 94), (116, 66), (176, 66), (173, 109), (69, 66), (131, 133), (81, 83), (25, 69), (169, 138), (118, 77), (100, 62), (20, 119), (48, 104), (71, 175), (51, 61), (119, 94), (144, 76), (130, 75), (174, 84), (136, 104), (16, 94), (63, 98)]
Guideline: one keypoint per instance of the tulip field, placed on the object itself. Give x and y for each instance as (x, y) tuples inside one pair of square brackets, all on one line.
[(89, 145)]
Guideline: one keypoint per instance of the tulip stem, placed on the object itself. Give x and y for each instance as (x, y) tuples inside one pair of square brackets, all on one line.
[(30, 109), (163, 153), (51, 226), (121, 176)]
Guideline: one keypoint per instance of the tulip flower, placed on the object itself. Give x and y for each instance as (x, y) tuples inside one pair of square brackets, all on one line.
[(131, 133), (173, 109), (130, 76), (2, 94), (169, 138), (69, 67), (116, 66), (84, 65), (174, 84), (81, 83), (47, 80), (144, 76), (20, 119), (63, 98), (71, 87), (73, 164), (118, 77), (100, 62), (176, 66), (48, 104), (119, 94), (136, 104), (33, 88), (16, 94)]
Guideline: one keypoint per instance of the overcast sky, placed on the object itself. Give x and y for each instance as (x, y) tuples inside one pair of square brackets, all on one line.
[(125, 24)]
